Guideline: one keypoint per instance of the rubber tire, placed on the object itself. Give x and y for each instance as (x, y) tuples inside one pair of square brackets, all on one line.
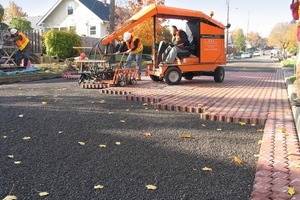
[(219, 74), (173, 76), (155, 78), (188, 77)]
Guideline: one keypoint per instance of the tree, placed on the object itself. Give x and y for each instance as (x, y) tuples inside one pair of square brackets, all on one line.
[(13, 11), (1, 13), (256, 41), (239, 40), (282, 36), (21, 24)]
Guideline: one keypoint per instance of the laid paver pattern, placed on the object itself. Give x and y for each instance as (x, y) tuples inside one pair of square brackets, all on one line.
[(253, 97)]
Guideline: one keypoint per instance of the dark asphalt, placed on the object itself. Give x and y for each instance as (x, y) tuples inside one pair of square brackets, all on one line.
[(53, 161)]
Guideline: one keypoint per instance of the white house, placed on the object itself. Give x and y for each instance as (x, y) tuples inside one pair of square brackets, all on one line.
[(87, 17)]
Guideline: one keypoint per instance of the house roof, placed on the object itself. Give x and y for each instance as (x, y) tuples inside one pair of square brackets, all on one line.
[(97, 7)]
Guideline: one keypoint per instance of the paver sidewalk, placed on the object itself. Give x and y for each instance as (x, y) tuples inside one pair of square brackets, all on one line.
[(245, 96)]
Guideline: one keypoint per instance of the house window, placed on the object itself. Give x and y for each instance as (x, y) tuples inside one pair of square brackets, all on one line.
[(70, 8), (92, 30)]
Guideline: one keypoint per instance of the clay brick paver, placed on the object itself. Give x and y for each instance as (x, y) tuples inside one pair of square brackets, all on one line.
[(253, 97)]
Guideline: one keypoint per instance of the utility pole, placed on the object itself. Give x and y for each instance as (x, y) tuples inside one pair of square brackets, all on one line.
[(227, 31)]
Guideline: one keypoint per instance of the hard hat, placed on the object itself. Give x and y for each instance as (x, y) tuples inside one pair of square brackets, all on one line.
[(13, 31), (82, 55), (126, 36)]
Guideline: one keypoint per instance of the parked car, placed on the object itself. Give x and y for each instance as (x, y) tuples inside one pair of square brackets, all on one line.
[(246, 55), (256, 53)]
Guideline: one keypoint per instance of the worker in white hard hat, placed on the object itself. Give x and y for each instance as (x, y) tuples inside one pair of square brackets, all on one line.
[(134, 47), (23, 43)]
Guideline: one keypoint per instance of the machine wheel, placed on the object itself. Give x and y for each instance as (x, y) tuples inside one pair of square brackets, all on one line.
[(173, 76), (155, 78), (219, 74), (188, 77), (133, 81), (122, 83)]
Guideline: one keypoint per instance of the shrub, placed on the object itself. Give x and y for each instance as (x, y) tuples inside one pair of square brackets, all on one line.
[(61, 43), (289, 63)]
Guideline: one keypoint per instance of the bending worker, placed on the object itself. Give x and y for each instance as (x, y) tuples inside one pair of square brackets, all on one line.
[(179, 41), (23, 44), (134, 47)]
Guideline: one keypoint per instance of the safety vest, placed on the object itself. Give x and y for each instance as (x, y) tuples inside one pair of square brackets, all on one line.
[(23, 42), (130, 45)]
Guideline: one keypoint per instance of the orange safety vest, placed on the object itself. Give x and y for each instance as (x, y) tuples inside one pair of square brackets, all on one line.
[(131, 45), (23, 42)]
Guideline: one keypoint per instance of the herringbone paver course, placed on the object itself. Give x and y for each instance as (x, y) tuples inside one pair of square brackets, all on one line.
[(245, 96)]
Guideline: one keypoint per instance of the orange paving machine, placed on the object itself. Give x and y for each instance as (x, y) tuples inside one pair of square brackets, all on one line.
[(206, 52)]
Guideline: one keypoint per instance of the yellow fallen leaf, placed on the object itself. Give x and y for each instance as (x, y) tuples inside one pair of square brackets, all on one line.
[(291, 191), (102, 145), (102, 101), (43, 194), (21, 115), (259, 142), (44, 103), (4, 136), (242, 123), (207, 169), (293, 154), (98, 187), (10, 197), (81, 143), (151, 187), (253, 125), (145, 104), (17, 162), (123, 121), (207, 113), (147, 134), (260, 130), (118, 143), (127, 110), (194, 169), (60, 131), (10, 156), (296, 166), (256, 155), (26, 138), (185, 136), (219, 129), (203, 125), (281, 130), (237, 160)]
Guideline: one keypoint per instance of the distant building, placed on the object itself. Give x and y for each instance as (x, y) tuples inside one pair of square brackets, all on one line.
[(87, 17)]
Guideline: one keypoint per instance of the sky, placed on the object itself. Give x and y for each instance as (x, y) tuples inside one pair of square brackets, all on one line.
[(257, 15)]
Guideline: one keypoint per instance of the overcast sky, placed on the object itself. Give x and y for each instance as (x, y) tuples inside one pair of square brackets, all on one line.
[(256, 15)]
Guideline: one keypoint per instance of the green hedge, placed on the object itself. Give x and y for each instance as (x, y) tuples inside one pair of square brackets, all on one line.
[(61, 43)]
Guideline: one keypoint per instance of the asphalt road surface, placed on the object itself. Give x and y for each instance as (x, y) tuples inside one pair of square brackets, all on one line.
[(51, 131)]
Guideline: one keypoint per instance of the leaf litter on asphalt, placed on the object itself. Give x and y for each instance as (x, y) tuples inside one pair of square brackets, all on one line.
[(43, 194), (10, 197), (237, 160), (151, 187), (81, 143)]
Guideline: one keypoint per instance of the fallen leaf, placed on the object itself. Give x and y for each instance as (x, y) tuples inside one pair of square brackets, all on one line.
[(10, 197), (256, 155), (118, 143), (146, 108), (185, 136), (102, 145), (145, 104), (219, 129), (253, 125), (151, 187), (26, 138), (281, 130), (296, 166), (21, 115), (242, 123), (4, 136), (203, 125), (259, 142), (110, 113), (194, 169), (43, 194), (260, 130), (237, 160), (17, 162), (46, 96), (44, 103), (207, 169), (147, 134), (293, 154), (291, 191), (127, 110), (10, 156), (123, 121), (207, 113), (60, 131), (98, 187), (81, 143), (102, 101)]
